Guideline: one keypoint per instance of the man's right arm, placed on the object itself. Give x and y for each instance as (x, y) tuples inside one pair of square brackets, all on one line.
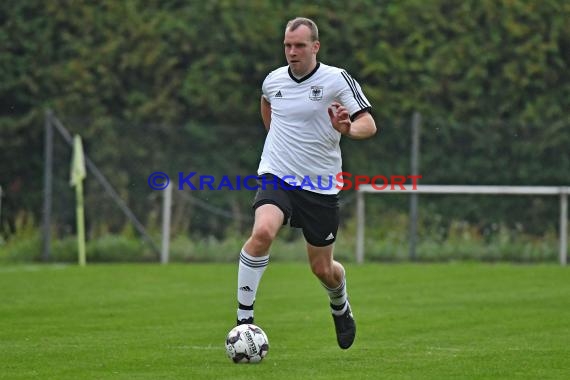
[(265, 112)]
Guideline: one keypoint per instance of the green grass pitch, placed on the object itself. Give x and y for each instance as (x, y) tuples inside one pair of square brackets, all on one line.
[(436, 321)]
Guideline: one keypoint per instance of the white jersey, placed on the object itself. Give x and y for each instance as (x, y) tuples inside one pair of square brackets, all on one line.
[(302, 146)]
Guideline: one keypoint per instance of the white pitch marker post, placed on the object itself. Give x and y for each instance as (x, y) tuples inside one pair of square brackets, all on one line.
[(78, 174), (166, 211), (564, 226)]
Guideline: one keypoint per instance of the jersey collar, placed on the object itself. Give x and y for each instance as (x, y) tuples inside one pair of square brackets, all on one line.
[(306, 76)]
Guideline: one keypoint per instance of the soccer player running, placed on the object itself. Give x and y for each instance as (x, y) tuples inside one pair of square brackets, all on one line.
[(306, 107)]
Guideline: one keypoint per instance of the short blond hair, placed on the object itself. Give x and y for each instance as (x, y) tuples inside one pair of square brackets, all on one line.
[(298, 21)]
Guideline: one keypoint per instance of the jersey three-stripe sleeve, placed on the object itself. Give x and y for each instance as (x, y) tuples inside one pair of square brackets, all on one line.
[(301, 141)]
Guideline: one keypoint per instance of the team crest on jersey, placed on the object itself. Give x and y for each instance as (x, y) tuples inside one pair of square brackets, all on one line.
[(316, 93)]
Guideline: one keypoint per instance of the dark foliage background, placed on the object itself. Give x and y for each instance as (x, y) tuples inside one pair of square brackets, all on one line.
[(174, 86)]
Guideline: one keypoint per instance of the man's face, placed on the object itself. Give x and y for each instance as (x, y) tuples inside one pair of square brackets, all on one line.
[(300, 50)]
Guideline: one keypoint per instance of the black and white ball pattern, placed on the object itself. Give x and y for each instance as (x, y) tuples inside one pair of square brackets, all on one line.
[(247, 344)]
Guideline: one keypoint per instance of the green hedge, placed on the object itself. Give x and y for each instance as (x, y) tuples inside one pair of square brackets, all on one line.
[(174, 86), (385, 242)]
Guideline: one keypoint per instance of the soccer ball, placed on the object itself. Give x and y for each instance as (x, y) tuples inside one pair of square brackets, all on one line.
[(247, 344)]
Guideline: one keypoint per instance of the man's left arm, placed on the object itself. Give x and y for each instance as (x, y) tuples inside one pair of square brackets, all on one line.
[(362, 127)]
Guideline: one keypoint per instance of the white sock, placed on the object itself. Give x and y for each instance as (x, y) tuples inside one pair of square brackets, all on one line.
[(249, 275), (338, 297)]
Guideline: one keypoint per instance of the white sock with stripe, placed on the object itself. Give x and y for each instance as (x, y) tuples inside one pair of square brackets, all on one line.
[(338, 297), (250, 270)]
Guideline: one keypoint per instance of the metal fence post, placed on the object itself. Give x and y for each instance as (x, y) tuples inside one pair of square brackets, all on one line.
[(360, 226), (48, 179), (166, 211), (416, 124), (563, 226)]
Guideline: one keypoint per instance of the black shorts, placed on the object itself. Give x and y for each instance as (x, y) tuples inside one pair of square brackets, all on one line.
[(317, 214)]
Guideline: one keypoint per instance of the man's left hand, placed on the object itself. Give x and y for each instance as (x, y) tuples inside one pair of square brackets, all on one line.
[(340, 118)]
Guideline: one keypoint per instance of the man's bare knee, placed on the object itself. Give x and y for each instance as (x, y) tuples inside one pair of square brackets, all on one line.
[(263, 235), (323, 270)]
